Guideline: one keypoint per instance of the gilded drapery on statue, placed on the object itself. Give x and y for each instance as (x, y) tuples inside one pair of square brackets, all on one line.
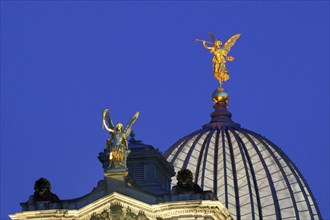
[(220, 57), (116, 144)]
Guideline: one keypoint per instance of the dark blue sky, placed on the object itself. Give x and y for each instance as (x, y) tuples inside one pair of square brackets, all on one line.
[(63, 62)]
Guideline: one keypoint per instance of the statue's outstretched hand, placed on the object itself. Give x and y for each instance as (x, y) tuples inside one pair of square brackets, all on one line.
[(230, 58)]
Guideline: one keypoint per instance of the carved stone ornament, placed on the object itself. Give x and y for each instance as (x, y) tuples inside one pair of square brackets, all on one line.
[(117, 212)]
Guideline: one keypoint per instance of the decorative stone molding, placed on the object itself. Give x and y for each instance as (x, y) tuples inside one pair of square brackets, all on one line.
[(118, 206)]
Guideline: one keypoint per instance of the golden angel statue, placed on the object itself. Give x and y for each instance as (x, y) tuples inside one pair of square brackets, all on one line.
[(117, 142), (220, 58)]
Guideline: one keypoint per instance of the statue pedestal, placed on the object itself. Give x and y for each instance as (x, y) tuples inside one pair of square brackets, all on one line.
[(118, 174)]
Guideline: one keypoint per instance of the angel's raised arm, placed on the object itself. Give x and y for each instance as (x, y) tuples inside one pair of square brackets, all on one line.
[(205, 45), (105, 117), (212, 39)]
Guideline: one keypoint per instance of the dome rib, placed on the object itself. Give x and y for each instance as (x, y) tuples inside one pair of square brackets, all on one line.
[(224, 167), (253, 176), (293, 172), (215, 165), (269, 178), (282, 172), (209, 138), (304, 187), (200, 161), (249, 185), (179, 143), (233, 166), (186, 161)]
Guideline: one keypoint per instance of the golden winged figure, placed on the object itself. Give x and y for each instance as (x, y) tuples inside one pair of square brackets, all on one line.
[(117, 142), (220, 58)]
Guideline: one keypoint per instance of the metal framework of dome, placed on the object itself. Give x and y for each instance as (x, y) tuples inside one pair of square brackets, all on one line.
[(248, 173)]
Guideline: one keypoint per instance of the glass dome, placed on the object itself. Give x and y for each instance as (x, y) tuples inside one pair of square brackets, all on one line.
[(247, 172)]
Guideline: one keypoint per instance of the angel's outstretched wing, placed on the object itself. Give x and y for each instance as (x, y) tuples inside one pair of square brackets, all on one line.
[(106, 115), (212, 37), (127, 130), (230, 42)]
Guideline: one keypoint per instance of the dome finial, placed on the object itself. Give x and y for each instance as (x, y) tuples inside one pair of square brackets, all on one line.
[(221, 116), (220, 95)]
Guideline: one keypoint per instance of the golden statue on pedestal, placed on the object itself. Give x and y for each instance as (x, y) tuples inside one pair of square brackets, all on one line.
[(220, 58), (117, 142)]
